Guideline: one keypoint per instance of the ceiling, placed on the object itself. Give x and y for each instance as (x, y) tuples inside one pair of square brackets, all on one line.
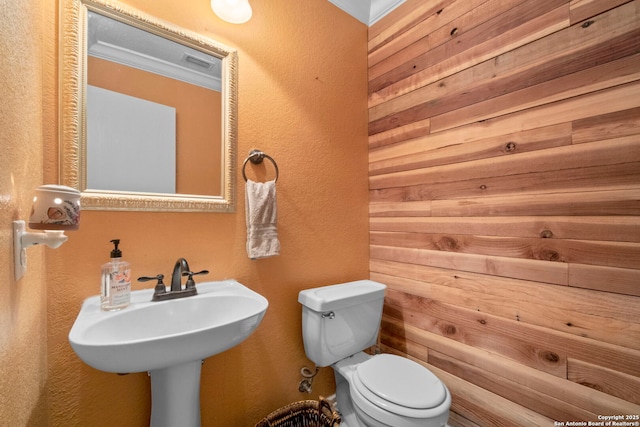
[(124, 44), (367, 11)]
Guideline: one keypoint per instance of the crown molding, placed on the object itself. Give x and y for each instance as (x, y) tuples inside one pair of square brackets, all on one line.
[(367, 11)]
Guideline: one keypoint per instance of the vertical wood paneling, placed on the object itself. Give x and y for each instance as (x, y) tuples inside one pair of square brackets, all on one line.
[(504, 173)]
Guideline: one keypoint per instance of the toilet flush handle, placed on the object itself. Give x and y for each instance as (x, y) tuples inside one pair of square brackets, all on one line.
[(328, 315)]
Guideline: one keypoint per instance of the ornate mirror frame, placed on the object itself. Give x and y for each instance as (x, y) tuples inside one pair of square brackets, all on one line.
[(72, 85)]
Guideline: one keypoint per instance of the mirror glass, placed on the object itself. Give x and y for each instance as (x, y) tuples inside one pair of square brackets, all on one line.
[(148, 112)]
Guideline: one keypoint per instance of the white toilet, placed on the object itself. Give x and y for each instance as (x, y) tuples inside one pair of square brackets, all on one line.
[(384, 390)]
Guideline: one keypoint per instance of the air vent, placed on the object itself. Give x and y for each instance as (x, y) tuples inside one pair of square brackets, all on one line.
[(197, 61)]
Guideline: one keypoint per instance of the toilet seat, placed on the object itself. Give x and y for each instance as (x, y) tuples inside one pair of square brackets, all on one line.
[(398, 391)]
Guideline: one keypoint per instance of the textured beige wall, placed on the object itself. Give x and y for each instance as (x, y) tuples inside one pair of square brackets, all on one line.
[(302, 89), (23, 356)]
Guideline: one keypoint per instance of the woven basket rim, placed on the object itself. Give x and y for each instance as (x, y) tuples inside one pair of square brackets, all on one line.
[(286, 415)]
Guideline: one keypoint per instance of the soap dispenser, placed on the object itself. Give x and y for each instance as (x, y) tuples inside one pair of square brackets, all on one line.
[(116, 281)]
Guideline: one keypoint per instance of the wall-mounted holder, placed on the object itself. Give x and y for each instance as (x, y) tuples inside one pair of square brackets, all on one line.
[(256, 157), (22, 239), (56, 208)]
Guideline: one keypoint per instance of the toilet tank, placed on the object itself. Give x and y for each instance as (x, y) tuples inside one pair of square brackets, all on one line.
[(340, 320)]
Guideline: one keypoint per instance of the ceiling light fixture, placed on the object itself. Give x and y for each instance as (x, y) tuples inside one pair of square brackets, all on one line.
[(233, 11)]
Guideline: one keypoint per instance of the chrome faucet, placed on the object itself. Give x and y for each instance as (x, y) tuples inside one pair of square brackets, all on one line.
[(181, 268)]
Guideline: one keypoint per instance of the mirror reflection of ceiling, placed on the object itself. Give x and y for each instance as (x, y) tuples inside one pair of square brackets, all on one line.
[(118, 42), (367, 11)]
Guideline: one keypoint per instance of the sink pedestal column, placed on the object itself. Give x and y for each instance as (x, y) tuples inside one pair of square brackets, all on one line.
[(175, 395)]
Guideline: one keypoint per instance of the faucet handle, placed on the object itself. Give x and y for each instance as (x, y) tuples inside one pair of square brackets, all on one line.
[(160, 287), (196, 273), (190, 282)]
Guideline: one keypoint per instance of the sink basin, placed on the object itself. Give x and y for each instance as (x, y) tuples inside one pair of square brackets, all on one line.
[(169, 339), (148, 336)]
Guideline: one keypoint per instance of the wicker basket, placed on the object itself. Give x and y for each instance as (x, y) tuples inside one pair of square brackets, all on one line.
[(306, 413)]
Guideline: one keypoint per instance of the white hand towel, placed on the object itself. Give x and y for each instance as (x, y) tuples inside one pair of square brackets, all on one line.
[(260, 208)]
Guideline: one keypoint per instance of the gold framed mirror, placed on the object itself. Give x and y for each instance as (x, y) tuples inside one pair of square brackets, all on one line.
[(187, 171)]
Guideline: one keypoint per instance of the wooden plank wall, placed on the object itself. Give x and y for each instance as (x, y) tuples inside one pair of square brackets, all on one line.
[(504, 160)]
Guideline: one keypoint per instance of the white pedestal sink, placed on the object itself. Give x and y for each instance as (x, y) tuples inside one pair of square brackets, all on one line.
[(169, 339)]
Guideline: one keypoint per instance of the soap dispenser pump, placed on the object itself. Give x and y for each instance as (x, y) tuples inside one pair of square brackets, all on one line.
[(116, 281)]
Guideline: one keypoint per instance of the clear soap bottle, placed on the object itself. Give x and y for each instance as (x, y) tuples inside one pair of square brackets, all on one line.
[(115, 291)]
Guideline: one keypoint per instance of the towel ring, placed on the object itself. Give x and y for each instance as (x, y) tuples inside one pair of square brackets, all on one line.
[(256, 156)]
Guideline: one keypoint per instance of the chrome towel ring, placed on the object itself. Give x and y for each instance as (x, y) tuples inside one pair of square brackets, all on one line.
[(257, 156)]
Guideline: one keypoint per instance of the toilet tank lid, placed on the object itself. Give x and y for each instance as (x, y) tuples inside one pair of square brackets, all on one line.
[(342, 295)]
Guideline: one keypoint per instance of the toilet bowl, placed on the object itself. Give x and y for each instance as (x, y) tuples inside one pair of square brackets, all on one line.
[(388, 390), (384, 390)]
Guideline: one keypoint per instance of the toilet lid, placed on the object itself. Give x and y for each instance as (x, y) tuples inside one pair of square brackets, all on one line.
[(401, 381)]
